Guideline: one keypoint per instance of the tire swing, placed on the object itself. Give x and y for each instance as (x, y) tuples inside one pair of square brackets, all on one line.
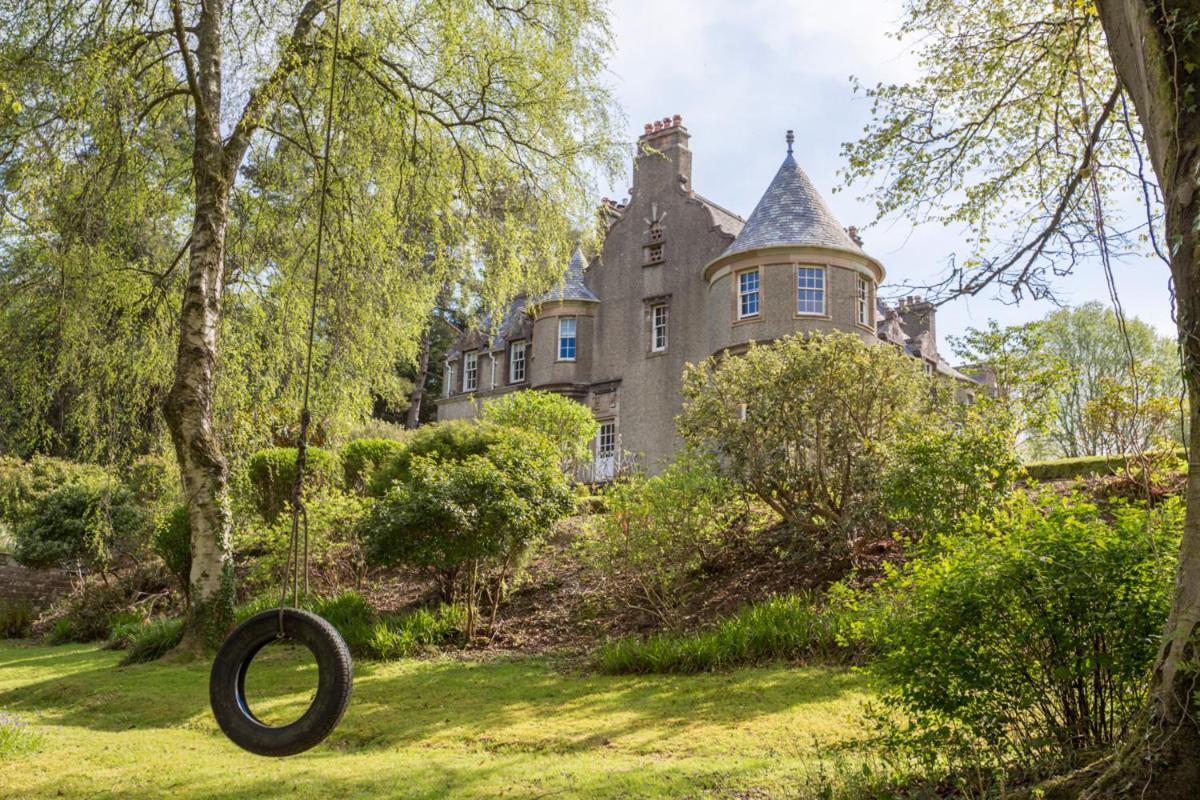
[(227, 681)]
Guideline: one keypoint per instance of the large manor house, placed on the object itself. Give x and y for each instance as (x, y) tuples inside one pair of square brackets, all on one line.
[(680, 278)]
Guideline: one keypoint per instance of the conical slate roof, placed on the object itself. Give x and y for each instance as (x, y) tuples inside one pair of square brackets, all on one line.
[(572, 287), (791, 213)]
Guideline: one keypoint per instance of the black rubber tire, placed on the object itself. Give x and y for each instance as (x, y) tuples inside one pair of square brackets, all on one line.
[(227, 683)]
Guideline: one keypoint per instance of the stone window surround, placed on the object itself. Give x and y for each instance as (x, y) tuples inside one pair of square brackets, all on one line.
[(824, 312), (561, 339), (470, 371), (513, 361), (859, 284), (738, 316)]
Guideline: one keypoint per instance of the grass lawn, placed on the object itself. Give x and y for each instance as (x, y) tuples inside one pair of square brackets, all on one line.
[(424, 729)]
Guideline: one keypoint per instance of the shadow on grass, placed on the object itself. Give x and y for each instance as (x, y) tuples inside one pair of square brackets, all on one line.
[(503, 708)]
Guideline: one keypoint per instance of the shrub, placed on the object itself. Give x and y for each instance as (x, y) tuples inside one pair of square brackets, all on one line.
[(24, 483), (806, 424), (568, 425), (335, 556), (89, 614), (173, 544), (950, 464), (470, 521), (154, 640), (362, 457), (16, 738), (16, 619), (1030, 634), (272, 472), (792, 628), (415, 633), (448, 441), (154, 480), (658, 532), (88, 522)]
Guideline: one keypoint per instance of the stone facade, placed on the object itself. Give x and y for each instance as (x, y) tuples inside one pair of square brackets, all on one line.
[(680, 278)]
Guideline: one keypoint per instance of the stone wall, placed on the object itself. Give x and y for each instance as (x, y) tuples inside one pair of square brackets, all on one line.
[(39, 586)]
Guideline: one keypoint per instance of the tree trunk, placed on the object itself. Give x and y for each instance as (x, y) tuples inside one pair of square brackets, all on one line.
[(189, 405), (418, 393), (1151, 41)]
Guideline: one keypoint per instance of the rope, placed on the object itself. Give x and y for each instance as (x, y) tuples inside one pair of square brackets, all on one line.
[(299, 513)]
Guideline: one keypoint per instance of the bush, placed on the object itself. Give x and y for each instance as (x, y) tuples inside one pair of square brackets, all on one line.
[(362, 457), (90, 614), (806, 424), (658, 532), (16, 619), (24, 483), (950, 464), (272, 472), (334, 554), (154, 640), (415, 633), (154, 480), (470, 521), (783, 628), (88, 522), (173, 544), (568, 425), (1029, 635), (448, 441)]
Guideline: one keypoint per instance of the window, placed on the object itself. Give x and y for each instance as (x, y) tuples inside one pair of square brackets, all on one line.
[(470, 372), (449, 387), (658, 328), (810, 290), (654, 254), (566, 339), (863, 302), (748, 294), (606, 439), (516, 362)]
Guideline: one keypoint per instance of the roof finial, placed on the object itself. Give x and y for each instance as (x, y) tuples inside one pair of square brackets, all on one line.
[(791, 137)]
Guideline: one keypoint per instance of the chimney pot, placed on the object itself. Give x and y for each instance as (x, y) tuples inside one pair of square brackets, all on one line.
[(648, 129), (677, 119)]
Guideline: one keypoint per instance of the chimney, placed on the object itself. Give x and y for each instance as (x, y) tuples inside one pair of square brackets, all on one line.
[(662, 154), (918, 316)]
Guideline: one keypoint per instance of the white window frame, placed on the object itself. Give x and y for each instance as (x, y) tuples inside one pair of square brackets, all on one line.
[(811, 283), (862, 299), (470, 371), (744, 294), (606, 438), (563, 338), (518, 347), (660, 317)]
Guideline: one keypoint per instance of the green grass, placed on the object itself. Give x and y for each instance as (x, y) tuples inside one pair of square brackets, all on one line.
[(788, 628), (424, 729)]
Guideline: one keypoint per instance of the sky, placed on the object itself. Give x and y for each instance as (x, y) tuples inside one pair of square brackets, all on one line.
[(742, 72)]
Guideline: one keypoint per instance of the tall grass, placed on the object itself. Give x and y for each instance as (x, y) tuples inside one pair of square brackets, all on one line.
[(789, 627), (16, 738)]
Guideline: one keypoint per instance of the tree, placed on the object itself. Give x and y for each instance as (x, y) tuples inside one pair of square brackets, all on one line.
[(805, 423), (1055, 372), (466, 136), (1020, 127), (568, 425)]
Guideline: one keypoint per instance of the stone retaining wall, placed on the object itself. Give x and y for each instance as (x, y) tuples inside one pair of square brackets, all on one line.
[(39, 586)]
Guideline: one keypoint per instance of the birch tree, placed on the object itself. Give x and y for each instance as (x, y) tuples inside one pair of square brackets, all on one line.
[(443, 106)]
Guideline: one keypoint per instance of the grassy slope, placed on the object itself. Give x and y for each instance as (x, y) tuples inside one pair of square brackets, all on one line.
[(425, 729)]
